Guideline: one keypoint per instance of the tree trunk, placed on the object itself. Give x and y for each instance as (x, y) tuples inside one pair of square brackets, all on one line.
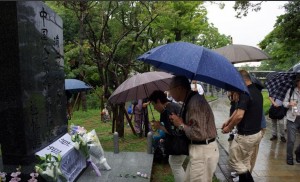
[(83, 101)]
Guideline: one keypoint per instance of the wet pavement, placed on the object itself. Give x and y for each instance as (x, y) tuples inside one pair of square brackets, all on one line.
[(271, 161)]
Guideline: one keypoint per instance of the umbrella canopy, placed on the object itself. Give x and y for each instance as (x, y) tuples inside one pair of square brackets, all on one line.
[(270, 75), (140, 86), (75, 86), (279, 84), (257, 82), (196, 63), (237, 53)]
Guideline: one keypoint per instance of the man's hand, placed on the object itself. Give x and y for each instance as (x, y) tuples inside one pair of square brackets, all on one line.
[(226, 129), (224, 125), (176, 120)]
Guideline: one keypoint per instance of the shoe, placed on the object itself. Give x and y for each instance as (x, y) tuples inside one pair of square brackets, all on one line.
[(246, 177), (274, 137), (231, 137), (234, 174), (236, 179), (297, 156), (283, 139), (290, 161)]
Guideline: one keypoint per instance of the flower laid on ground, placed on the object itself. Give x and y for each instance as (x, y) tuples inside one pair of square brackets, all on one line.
[(95, 149), (15, 176), (33, 176), (49, 168), (2, 176)]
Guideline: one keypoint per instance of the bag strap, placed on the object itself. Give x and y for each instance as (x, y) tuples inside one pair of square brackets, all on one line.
[(291, 92), (186, 103)]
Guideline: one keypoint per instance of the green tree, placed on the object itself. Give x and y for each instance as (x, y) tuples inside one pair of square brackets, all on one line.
[(283, 43)]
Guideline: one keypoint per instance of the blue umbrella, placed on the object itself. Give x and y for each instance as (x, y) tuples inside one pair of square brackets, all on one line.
[(74, 85), (196, 63)]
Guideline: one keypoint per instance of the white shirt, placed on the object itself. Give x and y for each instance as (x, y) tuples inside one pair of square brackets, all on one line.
[(199, 88)]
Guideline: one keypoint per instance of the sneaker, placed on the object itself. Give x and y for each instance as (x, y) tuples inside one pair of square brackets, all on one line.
[(234, 174), (283, 139), (236, 179), (274, 137), (297, 156), (290, 161)]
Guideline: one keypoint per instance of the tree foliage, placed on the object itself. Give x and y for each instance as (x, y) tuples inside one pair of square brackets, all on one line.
[(283, 43), (102, 39)]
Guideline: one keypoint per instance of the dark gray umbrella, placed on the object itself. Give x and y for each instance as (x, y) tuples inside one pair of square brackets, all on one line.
[(237, 53), (140, 86)]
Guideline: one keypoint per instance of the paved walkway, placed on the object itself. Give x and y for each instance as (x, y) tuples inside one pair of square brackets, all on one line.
[(270, 164)]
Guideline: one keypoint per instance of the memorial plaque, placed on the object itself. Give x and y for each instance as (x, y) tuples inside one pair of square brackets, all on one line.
[(72, 161), (32, 99)]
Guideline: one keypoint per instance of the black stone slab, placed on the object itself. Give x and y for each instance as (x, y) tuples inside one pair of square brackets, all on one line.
[(32, 100)]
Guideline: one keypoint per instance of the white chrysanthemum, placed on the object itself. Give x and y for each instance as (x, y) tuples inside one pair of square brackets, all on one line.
[(76, 145)]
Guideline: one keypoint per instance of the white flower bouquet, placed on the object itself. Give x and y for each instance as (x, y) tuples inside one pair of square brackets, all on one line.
[(95, 150), (78, 136)]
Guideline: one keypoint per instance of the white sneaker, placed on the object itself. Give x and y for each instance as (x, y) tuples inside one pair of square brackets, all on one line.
[(234, 174), (236, 179)]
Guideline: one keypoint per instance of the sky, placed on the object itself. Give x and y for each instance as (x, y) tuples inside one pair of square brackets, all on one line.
[(249, 30)]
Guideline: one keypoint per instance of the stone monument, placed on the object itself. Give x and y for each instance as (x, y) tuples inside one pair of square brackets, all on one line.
[(32, 98)]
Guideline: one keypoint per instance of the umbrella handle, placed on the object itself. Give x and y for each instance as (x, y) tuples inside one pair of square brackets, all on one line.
[(151, 113)]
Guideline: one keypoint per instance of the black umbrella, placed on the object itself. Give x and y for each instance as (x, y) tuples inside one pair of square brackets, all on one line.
[(279, 84)]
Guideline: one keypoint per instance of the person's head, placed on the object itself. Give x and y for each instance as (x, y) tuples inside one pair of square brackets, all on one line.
[(179, 87), (297, 81), (245, 75), (158, 99)]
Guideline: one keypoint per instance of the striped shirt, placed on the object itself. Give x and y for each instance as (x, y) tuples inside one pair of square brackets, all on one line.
[(200, 119)]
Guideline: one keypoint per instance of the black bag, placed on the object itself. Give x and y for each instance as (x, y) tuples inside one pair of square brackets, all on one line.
[(277, 112), (177, 144), (160, 155)]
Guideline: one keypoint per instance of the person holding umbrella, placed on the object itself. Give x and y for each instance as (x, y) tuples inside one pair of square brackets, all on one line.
[(291, 101), (198, 124), (277, 103)]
